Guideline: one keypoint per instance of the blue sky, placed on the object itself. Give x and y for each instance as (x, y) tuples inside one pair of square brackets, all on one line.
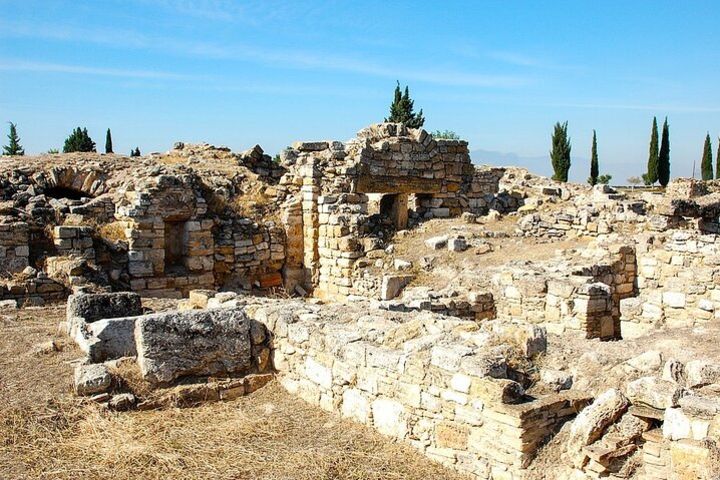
[(236, 73)]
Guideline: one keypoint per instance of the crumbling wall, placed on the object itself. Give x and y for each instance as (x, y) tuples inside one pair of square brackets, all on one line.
[(418, 380), (677, 278)]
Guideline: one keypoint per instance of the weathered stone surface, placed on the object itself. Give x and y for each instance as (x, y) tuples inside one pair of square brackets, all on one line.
[(208, 342), (654, 392), (92, 379), (590, 424), (437, 243), (111, 338), (392, 285), (389, 417), (702, 372), (122, 402), (93, 307)]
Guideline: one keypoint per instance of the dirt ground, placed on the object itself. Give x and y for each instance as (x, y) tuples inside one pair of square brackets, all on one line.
[(48, 433), (453, 267)]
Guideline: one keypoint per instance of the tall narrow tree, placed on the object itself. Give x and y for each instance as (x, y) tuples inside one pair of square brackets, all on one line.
[(401, 109), (108, 142), (706, 166), (664, 156), (594, 165), (13, 147), (652, 166), (717, 161), (560, 153)]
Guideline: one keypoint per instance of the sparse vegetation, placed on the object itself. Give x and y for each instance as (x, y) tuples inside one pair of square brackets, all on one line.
[(135, 152), (445, 135), (79, 141), (53, 151), (13, 147), (401, 109), (560, 153), (604, 179), (634, 181)]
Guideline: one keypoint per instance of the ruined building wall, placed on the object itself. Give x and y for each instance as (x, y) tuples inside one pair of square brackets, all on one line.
[(678, 278), (388, 159), (438, 391)]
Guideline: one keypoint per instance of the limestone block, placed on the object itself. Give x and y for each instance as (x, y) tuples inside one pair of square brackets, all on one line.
[(590, 424), (318, 373), (92, 307), (196, 342), (702, 372), (674, 299), (92, 379), (647, 362), (355, 406), (437, 243), (111, 338), (390, 418), (392, 285), (654, 392)]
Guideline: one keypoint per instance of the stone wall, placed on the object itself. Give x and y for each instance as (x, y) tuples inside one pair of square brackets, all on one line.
[(14, 247), (418, 379), (587, 300), (677, 277)]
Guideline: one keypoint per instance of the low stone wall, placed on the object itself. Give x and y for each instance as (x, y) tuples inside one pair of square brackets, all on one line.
[(14, 249), (419, 379), (677, 278), (74, 240), (587, 300), (35, 291)]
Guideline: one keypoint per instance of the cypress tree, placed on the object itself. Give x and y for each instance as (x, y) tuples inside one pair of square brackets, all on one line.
[(652, 166), (706, 166), (135, 153), (108, 142), (401, 109), (79, 141), (13, 147), (560, 153), (664, 156), (594, 165), (717, 161)]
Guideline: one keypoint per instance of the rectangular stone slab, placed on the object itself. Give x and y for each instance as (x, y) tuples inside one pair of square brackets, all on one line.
[(201, 342)]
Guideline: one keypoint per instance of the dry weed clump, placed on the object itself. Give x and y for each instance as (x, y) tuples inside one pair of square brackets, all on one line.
[(113, 232)]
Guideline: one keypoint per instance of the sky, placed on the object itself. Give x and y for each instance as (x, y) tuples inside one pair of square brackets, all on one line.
[(240, 73)]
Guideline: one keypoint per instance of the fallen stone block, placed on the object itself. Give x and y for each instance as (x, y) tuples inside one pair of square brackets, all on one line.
[(93, 307), (592, 422), (437, 243), (122, 402), (497, 390), (203, 342), (111, 338), (654, 392), (392, 285), (457, 244), (701, 372), (92, 379)]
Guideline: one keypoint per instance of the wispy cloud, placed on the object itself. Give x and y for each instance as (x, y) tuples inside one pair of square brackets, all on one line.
[(278, 58), (24, 66), (630, 106)]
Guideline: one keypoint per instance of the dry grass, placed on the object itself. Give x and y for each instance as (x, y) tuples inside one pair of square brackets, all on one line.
[(113, 232), (47, 433)]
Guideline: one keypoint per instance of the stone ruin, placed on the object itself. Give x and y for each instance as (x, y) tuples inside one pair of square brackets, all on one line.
[(286, 269)]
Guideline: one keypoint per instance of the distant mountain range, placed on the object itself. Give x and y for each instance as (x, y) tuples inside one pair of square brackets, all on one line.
[(539, 165)]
